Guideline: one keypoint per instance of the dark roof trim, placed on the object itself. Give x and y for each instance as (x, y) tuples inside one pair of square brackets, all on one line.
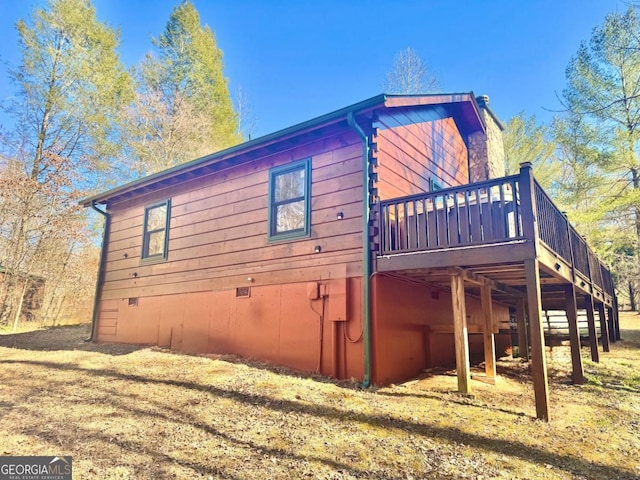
[(242, 147), (382, 100), (438, 99)]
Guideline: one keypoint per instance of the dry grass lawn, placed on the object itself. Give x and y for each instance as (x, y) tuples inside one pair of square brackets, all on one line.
[(126, 413)]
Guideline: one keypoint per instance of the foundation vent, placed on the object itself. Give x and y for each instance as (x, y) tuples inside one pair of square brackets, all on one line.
[(243, 292)]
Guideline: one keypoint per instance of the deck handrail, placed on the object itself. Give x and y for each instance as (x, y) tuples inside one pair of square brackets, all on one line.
[(483, 183), (553, 226), (484, 213), (473, 214)]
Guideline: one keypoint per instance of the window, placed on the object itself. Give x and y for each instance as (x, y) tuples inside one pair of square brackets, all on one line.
[(155, 238), (289, 192), (435, 185)]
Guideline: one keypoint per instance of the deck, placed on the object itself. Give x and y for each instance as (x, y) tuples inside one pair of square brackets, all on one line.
[(482, 228), (506, 236)]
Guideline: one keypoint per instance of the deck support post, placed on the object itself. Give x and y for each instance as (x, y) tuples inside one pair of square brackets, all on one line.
[(612, 325), (593, 335), (536, 335), (523, 340), (577, 371), (460, 333), (604, 328), (487, 332), (616, 315)]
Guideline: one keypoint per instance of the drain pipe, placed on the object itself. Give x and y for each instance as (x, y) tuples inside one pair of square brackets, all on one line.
[(366, 252), (103, 257)]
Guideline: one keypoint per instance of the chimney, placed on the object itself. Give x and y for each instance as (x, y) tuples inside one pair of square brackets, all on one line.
[(483, 101), (486, 150)]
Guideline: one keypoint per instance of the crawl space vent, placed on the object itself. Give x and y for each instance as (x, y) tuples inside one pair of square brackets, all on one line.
[(243, 292)]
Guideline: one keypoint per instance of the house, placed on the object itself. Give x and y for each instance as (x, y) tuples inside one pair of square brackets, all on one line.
[(367, 243)]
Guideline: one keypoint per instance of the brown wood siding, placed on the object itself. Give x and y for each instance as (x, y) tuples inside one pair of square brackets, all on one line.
[(218, 228), (411, 154)]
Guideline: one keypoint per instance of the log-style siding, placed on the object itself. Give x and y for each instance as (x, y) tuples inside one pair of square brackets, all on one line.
[(218, 228), (218, 241), (411, 155)]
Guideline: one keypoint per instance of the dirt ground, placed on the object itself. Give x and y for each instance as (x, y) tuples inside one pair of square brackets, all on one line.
[(127, 412)]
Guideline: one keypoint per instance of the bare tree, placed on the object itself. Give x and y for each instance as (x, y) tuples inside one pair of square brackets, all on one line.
[(247, 119), (159, 135), (41, 232), (410, 74)]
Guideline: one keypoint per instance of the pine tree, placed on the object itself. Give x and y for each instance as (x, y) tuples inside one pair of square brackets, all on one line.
[(183, 108), (604, 88), (526, 141)]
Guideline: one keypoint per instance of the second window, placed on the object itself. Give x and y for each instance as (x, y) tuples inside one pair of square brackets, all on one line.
[(289, 192)]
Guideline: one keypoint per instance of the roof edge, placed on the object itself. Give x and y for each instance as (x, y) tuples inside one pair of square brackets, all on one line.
[(328, 118), (383, 100)]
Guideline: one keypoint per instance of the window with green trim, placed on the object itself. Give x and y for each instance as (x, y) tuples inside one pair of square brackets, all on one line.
[(289, 208), (155, 236)]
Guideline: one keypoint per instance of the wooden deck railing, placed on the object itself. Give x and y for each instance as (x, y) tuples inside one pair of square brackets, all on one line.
[(559, 235), (552, 224), (474, 214), (485, 213)]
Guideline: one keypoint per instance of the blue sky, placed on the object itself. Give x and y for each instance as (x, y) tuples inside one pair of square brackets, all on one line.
[(299, 59)]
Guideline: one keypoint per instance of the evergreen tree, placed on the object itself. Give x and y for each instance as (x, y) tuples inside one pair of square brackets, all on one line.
[(604, 88), (582, 183), (183, 108), (71, 84), (526, 141)]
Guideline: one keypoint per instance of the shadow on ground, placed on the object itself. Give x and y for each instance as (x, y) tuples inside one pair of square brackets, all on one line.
[(65, 337), (576, 467)]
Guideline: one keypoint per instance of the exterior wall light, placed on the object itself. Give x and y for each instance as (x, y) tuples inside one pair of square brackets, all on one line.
[(340, 215), (318, 249)]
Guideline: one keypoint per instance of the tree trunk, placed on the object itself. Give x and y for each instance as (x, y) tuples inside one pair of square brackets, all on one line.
[(7, 307), (16, 319), (632, 296)]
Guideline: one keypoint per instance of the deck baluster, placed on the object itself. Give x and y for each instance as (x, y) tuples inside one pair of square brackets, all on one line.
[(426, 222), (436, 220), (456, 207), (469, 236), (396, 234)]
